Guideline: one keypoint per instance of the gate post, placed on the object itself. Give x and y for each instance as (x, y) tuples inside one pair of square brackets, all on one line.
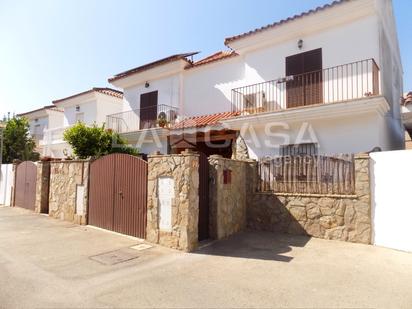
[(173, 200), (42, 187)]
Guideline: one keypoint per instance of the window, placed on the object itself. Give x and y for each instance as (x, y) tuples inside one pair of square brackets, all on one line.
[(299, 149), (37, 129), (80, 117)]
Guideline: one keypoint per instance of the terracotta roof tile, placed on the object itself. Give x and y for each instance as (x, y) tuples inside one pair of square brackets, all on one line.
[(220, 55), (111, 92), (151, 65), (48, 107), (283, 21), (204, 120), (106, 91)]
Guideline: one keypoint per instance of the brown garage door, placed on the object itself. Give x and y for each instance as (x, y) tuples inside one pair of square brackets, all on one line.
[(25, 188), (118, 194)]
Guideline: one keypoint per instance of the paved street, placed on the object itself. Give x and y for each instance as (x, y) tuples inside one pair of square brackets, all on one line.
[(46, 263)]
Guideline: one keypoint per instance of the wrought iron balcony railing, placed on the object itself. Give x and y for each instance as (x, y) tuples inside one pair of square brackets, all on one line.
[(340, 83), (144, 118)]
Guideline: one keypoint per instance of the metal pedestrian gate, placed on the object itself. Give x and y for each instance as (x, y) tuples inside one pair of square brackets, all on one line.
[(25, 185), (118, 194)]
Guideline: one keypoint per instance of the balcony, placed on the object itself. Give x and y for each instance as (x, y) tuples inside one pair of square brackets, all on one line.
[(350, 81), (144, 118)]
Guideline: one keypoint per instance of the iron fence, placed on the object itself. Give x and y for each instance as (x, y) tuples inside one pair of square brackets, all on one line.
[(143, 118), (311, 174), (335, 84)]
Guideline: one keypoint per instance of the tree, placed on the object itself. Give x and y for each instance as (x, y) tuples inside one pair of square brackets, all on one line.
[(95, 141), (17, 142)]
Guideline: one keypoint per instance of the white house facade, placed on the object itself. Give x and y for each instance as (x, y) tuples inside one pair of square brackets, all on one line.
[(41, 120), (90, 107), (329, 80)]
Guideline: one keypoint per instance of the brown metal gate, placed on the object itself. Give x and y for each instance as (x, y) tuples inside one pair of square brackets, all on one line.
[(203, 227), (25, 185), (118, 194)]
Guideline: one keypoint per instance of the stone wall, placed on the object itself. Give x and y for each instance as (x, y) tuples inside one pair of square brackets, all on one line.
[(239, 149), (42, 187), (65, 177), (184, 170), (227, 201), (345, 218)]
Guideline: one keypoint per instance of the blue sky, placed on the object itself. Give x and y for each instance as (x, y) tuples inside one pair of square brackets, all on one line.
[(50, 49)]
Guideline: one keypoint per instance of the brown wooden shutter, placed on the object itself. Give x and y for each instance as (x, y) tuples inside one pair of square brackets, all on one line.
[(148, 109), (306, 86)]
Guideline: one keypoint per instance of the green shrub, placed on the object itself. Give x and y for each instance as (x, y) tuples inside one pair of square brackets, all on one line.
[(95, 141), (17, 142)]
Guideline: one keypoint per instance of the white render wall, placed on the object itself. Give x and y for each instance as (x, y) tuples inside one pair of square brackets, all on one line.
[(6, 184), (349, 134), (88, 108), (107, 106), (94, 111), (56, 119), (208, 88), (391, 203), (168, 92), (43, 123)]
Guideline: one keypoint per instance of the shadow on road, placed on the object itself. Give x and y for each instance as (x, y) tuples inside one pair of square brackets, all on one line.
[(255, 245)]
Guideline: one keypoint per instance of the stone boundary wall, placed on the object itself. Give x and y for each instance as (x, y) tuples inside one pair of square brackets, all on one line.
[(65, 177), (42, 187), (184, 170), (345, 218), (227, 201)]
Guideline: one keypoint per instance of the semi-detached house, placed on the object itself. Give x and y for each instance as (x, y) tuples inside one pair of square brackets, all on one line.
[(90, 107), (325, 81)]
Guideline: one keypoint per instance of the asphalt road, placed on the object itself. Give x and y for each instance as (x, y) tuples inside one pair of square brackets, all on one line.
[(46, 263)]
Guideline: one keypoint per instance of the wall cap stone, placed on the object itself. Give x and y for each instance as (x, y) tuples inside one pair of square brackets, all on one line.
[(219, 157), (309, 194), (362, 156), (68, 161), (173, 155)]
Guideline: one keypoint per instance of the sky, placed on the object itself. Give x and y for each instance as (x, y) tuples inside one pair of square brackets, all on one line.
[(50, 49)]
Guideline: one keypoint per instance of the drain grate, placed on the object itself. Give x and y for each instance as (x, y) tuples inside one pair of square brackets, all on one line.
[(115, 257)]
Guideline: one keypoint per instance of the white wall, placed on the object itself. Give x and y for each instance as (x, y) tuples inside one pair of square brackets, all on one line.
[(350, 134), (107, 106), (6, 183), (147, 142), (391, 199), (168, 92), (42, 122), (208, 88), (88, 108), (391, 70), (56, 119)]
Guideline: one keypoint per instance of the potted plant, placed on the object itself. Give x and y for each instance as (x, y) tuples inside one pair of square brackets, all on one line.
[(162, 121)]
